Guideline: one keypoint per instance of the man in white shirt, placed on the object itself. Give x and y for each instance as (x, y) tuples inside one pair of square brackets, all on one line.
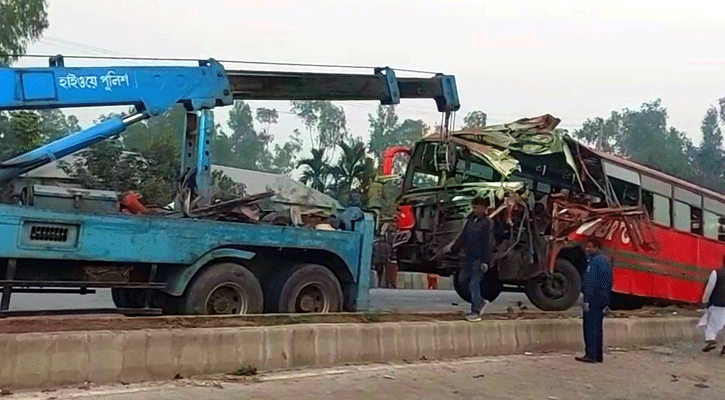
[(714, 299)]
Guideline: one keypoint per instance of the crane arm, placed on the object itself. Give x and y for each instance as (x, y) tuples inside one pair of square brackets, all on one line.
[(153, 90)]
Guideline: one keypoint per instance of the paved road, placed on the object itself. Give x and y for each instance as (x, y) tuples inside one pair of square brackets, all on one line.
[(651, 374), (380, 299)]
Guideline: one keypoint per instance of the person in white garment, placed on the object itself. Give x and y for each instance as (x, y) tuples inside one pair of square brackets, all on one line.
[(714, 299)]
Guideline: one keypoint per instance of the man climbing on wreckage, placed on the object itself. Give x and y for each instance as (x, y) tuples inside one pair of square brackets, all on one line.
[(476, 238)]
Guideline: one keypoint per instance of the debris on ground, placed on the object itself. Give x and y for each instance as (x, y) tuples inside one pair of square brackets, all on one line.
[(248, 370)]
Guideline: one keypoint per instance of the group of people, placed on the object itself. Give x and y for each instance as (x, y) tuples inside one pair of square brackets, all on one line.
[(597, 281)]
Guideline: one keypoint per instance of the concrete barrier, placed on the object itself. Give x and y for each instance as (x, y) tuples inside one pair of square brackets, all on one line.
[(48, 360)]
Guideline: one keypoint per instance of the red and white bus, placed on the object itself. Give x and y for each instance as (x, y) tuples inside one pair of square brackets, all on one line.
[(663, 233)]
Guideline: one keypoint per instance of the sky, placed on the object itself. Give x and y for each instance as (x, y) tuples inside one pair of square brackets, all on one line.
[(511, 59)]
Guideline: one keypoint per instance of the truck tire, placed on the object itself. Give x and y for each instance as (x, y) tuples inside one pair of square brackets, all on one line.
[(226, 288), (490, 286), (304, 288), (119, 298), (127, 298), (557, 291)]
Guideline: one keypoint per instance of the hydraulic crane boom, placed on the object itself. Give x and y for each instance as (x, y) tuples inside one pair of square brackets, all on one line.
[(154, 90)]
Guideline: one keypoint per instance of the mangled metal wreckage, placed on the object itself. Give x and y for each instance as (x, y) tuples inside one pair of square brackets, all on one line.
[(544, 186)]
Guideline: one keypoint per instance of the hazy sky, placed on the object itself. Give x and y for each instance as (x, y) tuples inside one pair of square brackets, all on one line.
[(573, 59)]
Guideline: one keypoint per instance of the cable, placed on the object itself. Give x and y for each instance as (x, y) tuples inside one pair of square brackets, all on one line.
[(254, 62)]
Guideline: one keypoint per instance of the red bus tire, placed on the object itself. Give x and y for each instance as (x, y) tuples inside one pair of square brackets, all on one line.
[(557, 291)]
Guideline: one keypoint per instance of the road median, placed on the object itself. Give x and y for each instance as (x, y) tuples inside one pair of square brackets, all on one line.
[(50, 360)]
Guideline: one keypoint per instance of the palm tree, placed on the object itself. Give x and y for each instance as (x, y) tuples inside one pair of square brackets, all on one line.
[(353, 167), (317, 172)]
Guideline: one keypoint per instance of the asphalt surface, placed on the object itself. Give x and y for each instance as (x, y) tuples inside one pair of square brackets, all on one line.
[(380, 300), (654, 373)]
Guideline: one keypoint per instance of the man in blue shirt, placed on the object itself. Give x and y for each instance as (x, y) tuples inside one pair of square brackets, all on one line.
[(597, 286)]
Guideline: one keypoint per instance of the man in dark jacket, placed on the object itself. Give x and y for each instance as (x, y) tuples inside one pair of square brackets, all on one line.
[(597, 287), (475, 238)]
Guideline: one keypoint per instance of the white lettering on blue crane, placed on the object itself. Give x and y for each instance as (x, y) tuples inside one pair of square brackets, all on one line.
[(110, 80)]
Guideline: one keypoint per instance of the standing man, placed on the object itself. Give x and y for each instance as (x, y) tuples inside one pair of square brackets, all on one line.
[(597, 286), (475, 237), (714, 299)]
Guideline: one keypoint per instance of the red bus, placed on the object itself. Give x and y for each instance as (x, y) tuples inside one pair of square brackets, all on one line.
[(662, 233)]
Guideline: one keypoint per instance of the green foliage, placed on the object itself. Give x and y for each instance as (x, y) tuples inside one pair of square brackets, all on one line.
[(25, 131), (643, 136), (353, 170), (474, 119), (316, 170), (387, 131), (325, 121), (284, 157), (249, 148), (21, 23)]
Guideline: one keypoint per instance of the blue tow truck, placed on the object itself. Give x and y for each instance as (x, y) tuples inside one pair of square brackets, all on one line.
[(184, 265)]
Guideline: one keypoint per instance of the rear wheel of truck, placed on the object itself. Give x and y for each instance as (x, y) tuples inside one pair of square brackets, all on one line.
[(304, 288), (223, 289), (128, 298), (557, 291), (490, 286)]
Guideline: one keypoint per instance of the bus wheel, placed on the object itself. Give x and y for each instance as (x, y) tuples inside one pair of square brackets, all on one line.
[(225, 288), (305, 288), (557, 291)]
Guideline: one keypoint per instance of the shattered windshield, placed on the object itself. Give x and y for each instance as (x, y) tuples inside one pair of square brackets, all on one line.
[(428, 163)]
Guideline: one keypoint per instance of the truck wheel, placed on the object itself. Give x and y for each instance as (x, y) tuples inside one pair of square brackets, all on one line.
[(128, 298), (490, 286), (225, 288), (557, 291), (305, 288)]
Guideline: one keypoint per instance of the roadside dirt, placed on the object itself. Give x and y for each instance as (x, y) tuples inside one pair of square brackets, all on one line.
[(94, 323)]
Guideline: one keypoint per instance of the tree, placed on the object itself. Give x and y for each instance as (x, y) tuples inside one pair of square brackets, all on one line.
[(285, 156), (709, 157), (604, 135), (25, 131), (55, 124), (353, 170), (386, 131), (325, 122), (643, 136), (21, 23), (317, 170), (474, 119)]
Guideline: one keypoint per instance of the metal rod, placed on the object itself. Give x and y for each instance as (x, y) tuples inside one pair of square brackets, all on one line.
[(56, 291), (79, 284), (7, 290), (150, 292)]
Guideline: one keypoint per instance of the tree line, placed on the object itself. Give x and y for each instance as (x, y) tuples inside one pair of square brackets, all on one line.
[(644, 136)]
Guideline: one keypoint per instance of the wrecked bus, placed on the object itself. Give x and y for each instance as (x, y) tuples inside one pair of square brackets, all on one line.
[(551, 194)]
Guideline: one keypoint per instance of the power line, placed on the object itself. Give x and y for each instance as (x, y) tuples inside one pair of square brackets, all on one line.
[(183, 59)]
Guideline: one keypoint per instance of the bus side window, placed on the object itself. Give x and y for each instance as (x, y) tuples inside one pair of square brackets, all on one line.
[(682, 217), (657, 206), (711, 226)]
